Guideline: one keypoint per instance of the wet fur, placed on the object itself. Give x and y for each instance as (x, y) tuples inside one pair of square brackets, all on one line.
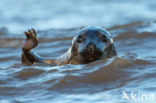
[(70, 57)]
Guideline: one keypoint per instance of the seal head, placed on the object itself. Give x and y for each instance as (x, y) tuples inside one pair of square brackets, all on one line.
[(91, 43)]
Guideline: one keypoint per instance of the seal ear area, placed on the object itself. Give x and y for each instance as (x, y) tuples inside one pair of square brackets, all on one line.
[(110, 37), (111, 40), (74, 46), (74, 49)]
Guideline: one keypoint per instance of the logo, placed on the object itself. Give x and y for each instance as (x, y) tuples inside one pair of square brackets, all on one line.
[(138, 97)]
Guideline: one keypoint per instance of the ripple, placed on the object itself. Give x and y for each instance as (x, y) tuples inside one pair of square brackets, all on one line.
[(130, 69), (28, 73)]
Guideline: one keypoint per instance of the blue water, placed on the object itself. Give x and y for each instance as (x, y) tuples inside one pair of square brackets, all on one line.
[(20, 15), (131, 23)]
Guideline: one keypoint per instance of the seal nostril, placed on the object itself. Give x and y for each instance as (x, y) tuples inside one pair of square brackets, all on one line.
[(91, 46), (90, 49)]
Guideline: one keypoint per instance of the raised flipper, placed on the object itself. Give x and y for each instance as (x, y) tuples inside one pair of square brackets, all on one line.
[(30, 42), (28, 56)]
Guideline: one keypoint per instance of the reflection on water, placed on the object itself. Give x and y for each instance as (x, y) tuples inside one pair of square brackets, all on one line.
[(102, 81)]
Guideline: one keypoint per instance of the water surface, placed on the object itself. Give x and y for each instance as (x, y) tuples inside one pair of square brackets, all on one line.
[(132, 24)]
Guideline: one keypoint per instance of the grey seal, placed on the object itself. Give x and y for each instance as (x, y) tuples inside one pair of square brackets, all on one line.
[(89, 44)]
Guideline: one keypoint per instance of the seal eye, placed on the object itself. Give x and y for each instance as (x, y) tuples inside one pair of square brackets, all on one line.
[(80, 39), (104, 39)]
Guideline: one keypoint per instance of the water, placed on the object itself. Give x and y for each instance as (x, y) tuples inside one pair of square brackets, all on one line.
[(20, 15), (131, 23)]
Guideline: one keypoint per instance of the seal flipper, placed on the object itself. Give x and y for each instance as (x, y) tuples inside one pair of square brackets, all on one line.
[(24, 59), (30, 57)]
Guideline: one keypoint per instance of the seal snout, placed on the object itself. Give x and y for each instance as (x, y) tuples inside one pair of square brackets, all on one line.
[(91, 48), (91, 52)]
